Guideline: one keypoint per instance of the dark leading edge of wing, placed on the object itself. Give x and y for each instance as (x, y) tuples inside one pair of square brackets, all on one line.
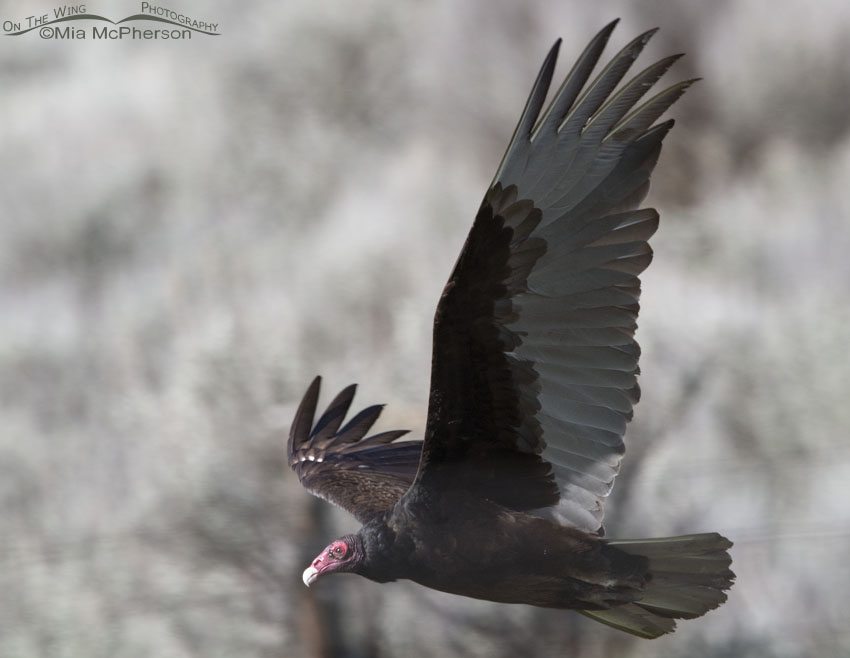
[(534, 366), (364, 476)]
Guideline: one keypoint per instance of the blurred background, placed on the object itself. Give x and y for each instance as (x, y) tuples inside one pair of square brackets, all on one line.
[(191, 230)]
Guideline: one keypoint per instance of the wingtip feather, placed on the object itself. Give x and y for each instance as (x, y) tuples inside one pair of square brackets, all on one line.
[(303, 421), (330, 421)]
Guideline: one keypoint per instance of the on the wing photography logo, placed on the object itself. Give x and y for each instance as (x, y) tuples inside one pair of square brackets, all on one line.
[(69, 22)]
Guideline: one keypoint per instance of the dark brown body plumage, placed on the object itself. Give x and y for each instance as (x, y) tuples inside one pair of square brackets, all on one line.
[(495, 554)]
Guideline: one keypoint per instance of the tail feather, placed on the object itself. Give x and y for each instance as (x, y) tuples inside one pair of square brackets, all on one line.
[(688, 577), (633, 619)]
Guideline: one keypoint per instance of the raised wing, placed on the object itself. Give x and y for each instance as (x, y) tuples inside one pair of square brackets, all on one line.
[(534, 368), (364, 476)]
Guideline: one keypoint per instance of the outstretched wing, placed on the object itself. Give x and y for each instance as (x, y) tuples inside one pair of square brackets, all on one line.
[(534, 367), (364, 476)]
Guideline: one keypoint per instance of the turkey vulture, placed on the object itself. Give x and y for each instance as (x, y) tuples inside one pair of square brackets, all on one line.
[(533, 379)]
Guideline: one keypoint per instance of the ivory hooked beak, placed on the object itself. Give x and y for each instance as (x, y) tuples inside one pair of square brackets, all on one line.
[(310, 575)]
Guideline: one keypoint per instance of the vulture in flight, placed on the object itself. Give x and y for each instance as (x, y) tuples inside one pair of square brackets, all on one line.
[(533, 379)]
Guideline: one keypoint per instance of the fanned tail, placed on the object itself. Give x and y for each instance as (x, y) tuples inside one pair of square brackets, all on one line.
[(688, 577)]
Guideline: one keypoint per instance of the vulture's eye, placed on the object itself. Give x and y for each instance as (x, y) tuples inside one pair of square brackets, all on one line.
[(338, 550)]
